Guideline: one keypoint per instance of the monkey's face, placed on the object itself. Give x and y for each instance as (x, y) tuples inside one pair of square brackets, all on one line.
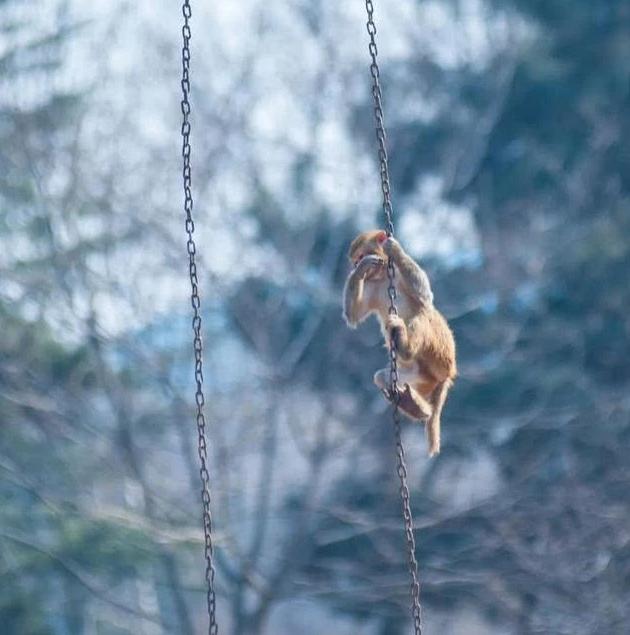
[(369, 244)]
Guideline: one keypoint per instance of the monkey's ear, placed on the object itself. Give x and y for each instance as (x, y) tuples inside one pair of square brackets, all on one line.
[(381, 237)]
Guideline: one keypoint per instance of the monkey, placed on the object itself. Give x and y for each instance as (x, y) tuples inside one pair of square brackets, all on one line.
[(421, 336)]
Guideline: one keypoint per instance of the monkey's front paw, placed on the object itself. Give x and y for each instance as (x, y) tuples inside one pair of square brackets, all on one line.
[(372, 261), (390, 245), (369, 263)]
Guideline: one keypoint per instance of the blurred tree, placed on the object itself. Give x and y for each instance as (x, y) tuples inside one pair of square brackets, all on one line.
[(60, 398), (508, 124)]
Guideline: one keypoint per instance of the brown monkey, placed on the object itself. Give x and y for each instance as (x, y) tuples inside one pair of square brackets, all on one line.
[(423, 340)]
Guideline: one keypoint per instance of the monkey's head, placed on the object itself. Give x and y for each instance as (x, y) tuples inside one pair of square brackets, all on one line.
[(369, 243)]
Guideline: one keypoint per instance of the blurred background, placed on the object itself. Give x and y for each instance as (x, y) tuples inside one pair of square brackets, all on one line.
[(509, 135)]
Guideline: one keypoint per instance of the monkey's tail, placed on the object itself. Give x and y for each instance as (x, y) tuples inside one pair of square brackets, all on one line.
[(433, 424)]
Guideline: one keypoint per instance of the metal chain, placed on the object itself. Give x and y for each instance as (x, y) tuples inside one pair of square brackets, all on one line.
[(381, 138), (213, 628)]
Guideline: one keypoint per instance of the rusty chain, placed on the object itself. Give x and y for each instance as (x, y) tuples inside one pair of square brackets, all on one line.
[(213, 628), (381, 137)]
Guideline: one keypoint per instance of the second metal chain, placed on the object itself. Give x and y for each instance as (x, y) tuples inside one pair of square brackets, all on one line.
[(213, 628), (381, 137)]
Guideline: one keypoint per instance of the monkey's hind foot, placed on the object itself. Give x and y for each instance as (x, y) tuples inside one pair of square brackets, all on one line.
[(409, 403)]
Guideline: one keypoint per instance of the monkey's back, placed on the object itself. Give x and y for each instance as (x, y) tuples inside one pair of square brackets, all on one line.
[(436, 343)]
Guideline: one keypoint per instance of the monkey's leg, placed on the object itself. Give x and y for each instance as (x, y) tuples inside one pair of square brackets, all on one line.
[(411, 402), (355, 309)]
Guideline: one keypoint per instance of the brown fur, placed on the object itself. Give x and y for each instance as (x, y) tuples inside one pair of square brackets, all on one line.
[(421, 335)]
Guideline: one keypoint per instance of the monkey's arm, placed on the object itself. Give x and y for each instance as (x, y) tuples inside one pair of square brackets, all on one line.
[(353, 299), (355, 309), (413, 277)]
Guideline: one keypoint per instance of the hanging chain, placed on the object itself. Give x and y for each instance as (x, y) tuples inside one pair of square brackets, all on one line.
[(381, 137), (213, 628)]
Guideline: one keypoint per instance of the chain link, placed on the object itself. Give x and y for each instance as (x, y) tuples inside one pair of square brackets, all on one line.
[(213, 628), (381, 138)]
